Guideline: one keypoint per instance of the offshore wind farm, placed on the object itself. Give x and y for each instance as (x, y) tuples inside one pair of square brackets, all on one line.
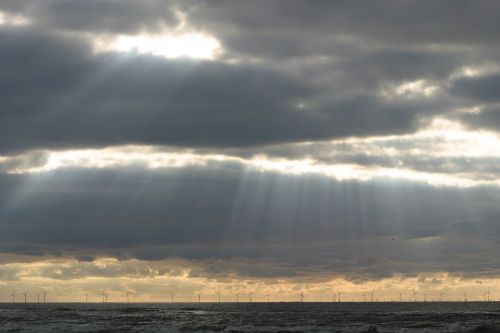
[(410, 311), (234, 297)]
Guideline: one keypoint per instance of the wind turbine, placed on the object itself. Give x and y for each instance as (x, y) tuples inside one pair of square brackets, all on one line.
[(400, 296), (104, 296), (172, 297), (267, 295), (441, 294), (333, 297), (86, 298), (237, 298), (301, 297), (13, 295), (465, 297), (372, 296), (338, 296), (488, 295), (414, 295), (218, 294), (38, 298), (44, 292), (425, 297), (250, 297), (364, 297), (199, 298), (25, 296), (128, 296)]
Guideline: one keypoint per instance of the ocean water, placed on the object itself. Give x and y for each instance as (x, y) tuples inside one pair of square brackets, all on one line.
[(479, 317)]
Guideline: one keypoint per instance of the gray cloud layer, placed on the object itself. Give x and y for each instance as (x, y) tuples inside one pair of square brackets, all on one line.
[(291, 71), (360, 230), (57, 93)]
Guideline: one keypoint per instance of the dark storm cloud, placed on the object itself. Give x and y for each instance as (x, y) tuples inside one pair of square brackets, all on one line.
[(119, 16), (488, 118), (482, 92), (57, 94), (484, 88), (391, 21), (407, 21), (333, 58), (225, 214), (291, 71)]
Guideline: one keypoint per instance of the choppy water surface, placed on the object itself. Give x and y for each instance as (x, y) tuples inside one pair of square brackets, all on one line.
[(254, 317)]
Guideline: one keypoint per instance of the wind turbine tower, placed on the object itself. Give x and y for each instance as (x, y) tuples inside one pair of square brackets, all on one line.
[(372, 296), (44, 293), (218, 294), (250, 297), (338, 296), (104, 296), (127, 293), (172, 297), (301, 297), (25, 296), (13, 295), (199, 298)]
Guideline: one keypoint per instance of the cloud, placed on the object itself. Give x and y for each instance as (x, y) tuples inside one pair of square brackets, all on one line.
[(301, 226), (386, 20), (23, 162), (279, 80), (480, 94), (58, 94), (97, 16), (290, 77), (482, 88)]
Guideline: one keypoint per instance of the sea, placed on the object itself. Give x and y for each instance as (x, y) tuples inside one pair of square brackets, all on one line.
[(479, 317)]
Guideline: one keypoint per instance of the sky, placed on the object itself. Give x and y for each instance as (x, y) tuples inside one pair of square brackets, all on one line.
[(189, 147)]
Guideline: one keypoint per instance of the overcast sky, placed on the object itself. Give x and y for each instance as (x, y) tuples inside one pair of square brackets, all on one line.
[(185, 145)]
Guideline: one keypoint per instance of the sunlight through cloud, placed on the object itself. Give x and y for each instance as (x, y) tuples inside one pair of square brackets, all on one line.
[(9, 19), (188, 45)]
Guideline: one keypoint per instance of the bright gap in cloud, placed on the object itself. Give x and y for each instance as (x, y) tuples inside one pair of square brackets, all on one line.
[(442, 139), (410, 89), (118, 157), (188, 45), (9, 19)]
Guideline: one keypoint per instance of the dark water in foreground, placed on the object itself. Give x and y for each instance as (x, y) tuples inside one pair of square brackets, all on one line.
[(254, 317)]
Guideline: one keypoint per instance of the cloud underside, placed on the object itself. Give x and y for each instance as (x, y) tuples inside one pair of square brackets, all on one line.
[(294, 226), (58, 93), (387, 87)]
